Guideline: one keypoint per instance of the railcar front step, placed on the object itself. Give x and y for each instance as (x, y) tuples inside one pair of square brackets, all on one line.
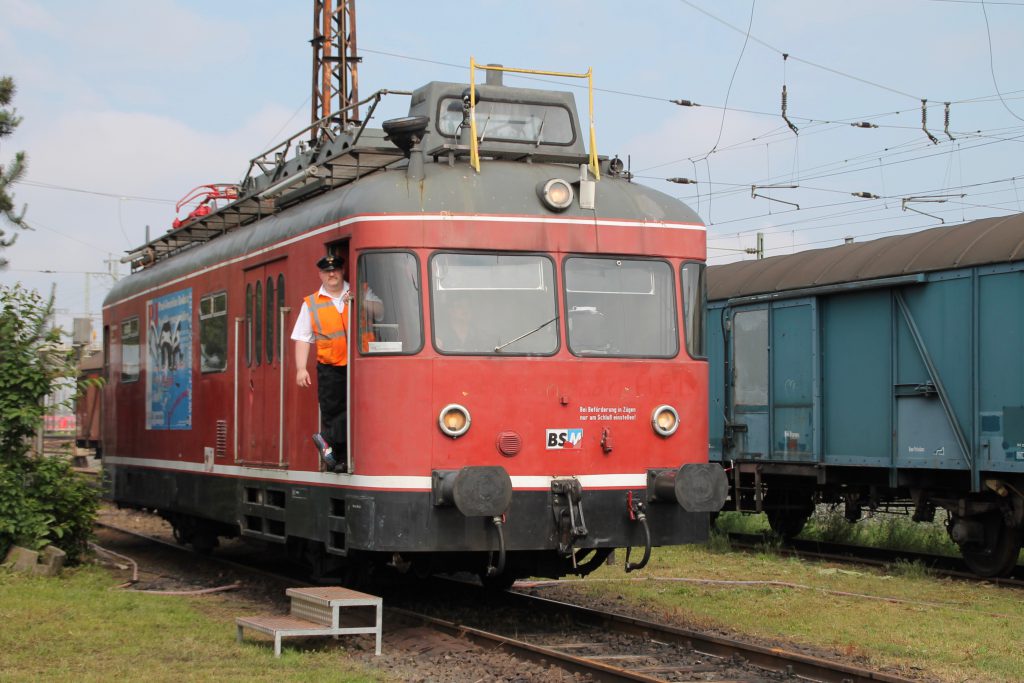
[(314, 612)]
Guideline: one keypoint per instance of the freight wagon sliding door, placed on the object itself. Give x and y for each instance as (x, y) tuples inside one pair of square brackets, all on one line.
[(933, 388), (261, 383), (793, 378), (774, 354), (749, 404)]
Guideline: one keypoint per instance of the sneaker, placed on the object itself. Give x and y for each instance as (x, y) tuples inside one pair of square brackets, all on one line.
[(326, 452)]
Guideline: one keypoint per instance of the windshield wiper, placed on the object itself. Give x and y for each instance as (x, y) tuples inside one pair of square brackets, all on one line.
[(483, 132), (497, 349), (540, 131)]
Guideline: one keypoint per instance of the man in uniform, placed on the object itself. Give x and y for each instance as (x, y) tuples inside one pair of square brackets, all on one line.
[(323, 323)]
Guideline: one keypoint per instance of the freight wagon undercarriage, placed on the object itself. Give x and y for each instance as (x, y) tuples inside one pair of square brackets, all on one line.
[(988, 526)]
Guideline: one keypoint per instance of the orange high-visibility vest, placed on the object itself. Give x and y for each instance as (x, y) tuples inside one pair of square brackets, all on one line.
[(330, 329)]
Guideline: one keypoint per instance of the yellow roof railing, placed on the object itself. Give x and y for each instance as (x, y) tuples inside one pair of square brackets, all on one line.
[(474, 154)]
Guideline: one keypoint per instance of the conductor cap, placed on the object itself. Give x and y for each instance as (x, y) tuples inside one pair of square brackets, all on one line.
[(328, 263)]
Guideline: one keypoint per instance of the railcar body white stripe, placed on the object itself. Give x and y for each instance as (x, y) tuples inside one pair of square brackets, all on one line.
[(413, 218), (407, 483)]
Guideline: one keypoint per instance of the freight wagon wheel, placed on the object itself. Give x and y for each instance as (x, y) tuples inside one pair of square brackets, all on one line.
[(788, 511), (997, 556)]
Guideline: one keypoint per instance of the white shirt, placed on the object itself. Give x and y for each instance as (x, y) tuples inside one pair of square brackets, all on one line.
[(303, 329)]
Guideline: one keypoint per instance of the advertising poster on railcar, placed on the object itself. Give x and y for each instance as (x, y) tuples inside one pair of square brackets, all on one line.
[(169, 380)]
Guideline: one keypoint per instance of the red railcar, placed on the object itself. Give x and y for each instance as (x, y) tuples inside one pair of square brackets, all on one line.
[(566, 419), (88, 405)]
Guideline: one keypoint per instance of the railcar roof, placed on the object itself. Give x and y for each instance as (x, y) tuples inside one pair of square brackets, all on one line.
[(503, 187), (977, 243)]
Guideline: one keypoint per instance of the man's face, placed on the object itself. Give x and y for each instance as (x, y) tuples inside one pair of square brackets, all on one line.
[(333, 278)]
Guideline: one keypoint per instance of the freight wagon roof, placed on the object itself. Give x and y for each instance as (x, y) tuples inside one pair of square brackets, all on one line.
[(978, 243)]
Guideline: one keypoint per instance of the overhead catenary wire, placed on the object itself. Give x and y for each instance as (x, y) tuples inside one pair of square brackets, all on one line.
[(739, 145), (797, 59), (992, 65)]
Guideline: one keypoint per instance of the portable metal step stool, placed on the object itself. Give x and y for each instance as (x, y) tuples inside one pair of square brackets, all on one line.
[(314, 612)]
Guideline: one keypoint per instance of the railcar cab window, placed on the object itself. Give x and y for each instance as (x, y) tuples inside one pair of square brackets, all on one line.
[(130, 350), (695, 300), (621, 307), (213, 332), (494, 304), (510, 121), (394, 277)]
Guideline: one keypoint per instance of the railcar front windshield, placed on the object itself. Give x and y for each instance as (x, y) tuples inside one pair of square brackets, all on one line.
[(494, 304), (621, 307), (510, 121)]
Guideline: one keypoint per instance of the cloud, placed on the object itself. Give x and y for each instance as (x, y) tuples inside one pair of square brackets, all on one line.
[(131, 155)]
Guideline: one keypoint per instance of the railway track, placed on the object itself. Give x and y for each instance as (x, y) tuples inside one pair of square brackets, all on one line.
[(627, 648), (597, 645), (939, 565)]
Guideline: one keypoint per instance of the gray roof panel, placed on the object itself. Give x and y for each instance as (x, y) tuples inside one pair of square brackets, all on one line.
[(977, 243)]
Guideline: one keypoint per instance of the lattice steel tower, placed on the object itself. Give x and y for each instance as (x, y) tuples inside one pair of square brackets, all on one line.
[(335, 62)]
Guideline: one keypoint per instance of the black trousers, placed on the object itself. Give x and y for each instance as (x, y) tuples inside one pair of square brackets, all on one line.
[(330, 390)]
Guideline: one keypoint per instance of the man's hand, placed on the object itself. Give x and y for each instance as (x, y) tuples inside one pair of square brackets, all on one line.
[(301, 356)]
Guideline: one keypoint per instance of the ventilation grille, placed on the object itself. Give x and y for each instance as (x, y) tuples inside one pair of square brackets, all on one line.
[(509, 443), (222, 439)]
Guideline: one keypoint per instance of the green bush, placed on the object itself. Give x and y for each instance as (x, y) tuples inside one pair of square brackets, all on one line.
[(42, 500)]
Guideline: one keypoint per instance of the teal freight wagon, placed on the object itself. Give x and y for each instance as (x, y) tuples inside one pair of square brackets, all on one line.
[(878, 374)]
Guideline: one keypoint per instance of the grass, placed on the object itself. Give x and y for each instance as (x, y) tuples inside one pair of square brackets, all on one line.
[(879, 530), (78, 627), (925, 627)]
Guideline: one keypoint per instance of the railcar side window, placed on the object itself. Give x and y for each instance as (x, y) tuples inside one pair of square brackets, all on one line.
[(621, 307), (750, 357), (271, 315), (213, 332), (695, 300), (390, 282), (257, 323), (494, 304), (130, 350), (248, 325), (280, 305)]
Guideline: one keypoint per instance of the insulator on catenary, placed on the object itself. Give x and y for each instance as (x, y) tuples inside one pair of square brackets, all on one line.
[(682, 181), (924, 122), (865, 195), (864, 124), (946, 129), (685, 103)]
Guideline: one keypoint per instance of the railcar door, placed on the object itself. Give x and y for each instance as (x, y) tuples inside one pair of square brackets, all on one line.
[(259, 394)]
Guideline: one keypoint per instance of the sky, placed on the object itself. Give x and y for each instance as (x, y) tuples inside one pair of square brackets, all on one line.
[(128, 106)]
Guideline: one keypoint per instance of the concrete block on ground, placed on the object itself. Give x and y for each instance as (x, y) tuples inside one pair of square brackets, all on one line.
[(49, 562), (53, 557), (21, 559)]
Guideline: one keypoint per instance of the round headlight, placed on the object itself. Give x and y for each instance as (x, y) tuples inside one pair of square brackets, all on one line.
[(454, 420), (556, 194), (665, 420)]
